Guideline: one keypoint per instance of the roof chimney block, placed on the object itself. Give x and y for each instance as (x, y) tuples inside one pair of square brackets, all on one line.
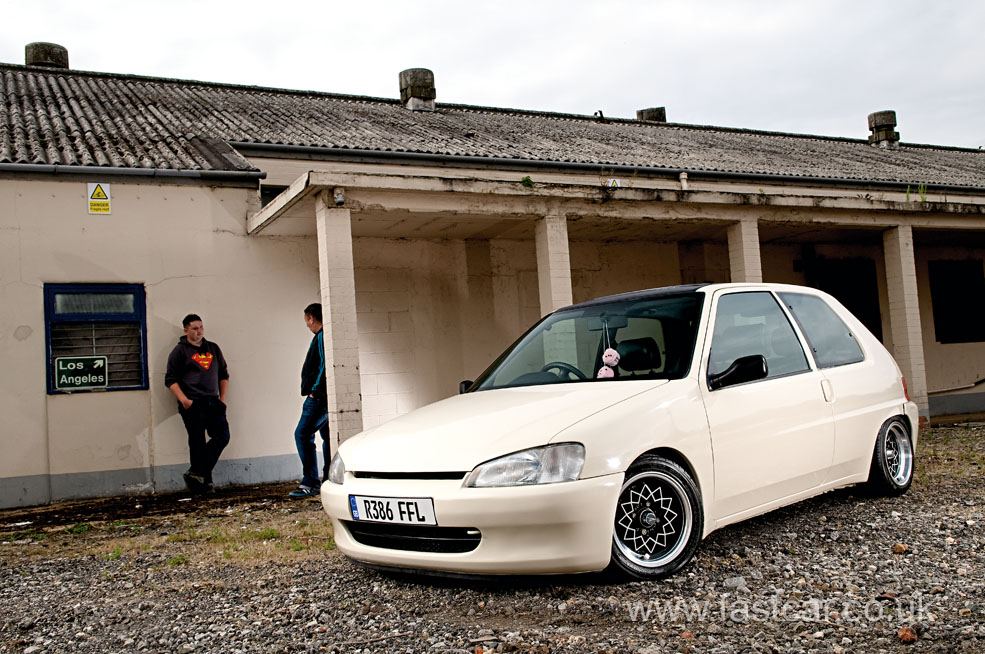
[(653, 114), (417, 89), (882, 125), (49, 55)]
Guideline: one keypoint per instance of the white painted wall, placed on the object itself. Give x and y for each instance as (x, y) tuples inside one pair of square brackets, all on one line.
[(187, 244), (431, 313)]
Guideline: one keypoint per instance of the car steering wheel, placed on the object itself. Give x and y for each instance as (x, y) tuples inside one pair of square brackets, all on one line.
[(566, 367)]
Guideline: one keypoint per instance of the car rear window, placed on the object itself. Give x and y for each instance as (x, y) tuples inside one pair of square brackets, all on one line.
[(830, 339)]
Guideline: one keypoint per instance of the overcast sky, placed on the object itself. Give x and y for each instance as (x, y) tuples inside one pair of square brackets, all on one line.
[(805, 66)]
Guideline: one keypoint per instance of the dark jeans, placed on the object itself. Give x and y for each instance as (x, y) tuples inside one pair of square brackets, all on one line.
[(314, 417), (206, 414)]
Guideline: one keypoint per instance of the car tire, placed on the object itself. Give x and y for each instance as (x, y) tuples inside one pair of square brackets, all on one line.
[(891, 472), (659, 520)]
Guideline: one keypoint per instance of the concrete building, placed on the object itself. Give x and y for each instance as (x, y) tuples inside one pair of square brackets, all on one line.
[(433, 234)]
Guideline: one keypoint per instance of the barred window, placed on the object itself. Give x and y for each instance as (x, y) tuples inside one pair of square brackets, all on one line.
[(96, 337)]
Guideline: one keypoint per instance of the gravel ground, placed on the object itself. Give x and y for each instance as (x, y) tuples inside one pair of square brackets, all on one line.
[(246, 571)]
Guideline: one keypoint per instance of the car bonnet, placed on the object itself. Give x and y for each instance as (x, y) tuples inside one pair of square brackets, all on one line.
[(463, 431)]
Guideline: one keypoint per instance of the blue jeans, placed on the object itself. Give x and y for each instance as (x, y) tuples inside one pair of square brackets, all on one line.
[(206, 414), (314, 417)]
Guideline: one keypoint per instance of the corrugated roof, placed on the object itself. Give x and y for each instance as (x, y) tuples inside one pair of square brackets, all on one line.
[(94, 119)]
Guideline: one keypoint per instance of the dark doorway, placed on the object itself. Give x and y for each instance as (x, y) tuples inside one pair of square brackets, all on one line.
[(853, 282)]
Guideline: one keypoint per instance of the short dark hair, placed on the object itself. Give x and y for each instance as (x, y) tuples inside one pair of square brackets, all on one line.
[(314, 310), (190, 318)]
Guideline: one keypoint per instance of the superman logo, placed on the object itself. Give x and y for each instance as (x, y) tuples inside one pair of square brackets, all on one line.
[(204, 360)]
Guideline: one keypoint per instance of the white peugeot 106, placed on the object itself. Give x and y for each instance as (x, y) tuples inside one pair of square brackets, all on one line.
[(621, 431)]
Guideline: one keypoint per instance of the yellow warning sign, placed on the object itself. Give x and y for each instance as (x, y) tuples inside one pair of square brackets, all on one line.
[(99, 198)]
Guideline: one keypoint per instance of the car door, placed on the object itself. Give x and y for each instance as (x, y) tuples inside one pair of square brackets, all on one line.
[(774, 437), (862, 386)]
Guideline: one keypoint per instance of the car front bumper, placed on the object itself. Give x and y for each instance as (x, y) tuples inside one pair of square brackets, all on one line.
[(540, 529)]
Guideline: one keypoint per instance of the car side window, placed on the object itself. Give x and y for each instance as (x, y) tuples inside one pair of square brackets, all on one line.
[(829, 338), (754, 323)]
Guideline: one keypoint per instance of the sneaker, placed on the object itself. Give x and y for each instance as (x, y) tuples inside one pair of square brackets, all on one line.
[(195, 483), (303, 491)]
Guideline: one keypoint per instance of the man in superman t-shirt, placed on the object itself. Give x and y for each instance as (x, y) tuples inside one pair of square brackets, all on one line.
[(198, 378)]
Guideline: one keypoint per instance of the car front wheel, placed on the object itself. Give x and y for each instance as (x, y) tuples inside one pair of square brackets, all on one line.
[(658, 521), (891, 472)]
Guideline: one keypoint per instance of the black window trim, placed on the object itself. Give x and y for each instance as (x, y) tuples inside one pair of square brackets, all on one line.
[(138, 315)]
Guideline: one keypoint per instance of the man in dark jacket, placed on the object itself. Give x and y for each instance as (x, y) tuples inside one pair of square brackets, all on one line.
[(198, 378), (314, 413)]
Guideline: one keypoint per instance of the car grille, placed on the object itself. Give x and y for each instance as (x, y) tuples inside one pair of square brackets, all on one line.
[(414, 538), (362, 474)]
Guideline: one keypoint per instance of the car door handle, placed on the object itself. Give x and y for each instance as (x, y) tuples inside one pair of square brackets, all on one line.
[(829, 393)]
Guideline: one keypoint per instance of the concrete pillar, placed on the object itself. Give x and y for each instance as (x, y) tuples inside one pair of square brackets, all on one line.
[(904, 312), (743, 252), (338, 298), (553, 263)]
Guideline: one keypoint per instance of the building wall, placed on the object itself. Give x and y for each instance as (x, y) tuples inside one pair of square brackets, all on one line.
[(432, 313), (429, 313), (955, 371), (606, 268), (187, 245), (781, 266)]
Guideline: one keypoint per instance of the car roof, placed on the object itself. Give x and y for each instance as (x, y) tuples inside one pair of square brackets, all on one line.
[(650, 293), (686, 289)]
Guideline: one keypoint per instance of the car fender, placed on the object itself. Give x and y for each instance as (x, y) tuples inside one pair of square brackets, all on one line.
[(670, 418)]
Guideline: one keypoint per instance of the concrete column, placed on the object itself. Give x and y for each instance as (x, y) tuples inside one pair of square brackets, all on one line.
[(553, 263), (904, 312), (743, 252), (338, 298)]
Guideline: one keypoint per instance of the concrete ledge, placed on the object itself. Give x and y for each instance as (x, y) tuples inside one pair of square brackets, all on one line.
[(949, 405), (24, 491), (41, 489)]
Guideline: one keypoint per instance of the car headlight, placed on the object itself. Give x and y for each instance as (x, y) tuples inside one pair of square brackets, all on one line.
[(541, 465), (336, 471)]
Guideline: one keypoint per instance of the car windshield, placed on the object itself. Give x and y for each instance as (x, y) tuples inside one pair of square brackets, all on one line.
[(653, 337)]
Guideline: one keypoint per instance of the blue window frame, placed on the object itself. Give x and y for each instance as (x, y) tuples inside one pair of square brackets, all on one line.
[(98, 320)]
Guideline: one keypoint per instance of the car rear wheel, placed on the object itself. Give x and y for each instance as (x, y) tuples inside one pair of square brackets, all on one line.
[(658, 520), (891, 472)]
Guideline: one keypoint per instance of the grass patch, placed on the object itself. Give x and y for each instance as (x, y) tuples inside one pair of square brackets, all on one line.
[(182, 537), (946, 452), (296, 545), (28, 534), (262, 534), (79, 528), (178, 559), (115, 554)]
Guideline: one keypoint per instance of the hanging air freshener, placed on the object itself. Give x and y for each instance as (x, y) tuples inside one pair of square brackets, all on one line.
[(610, 358)]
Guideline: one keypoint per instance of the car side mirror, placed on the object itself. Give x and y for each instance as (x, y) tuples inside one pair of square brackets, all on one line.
[(464, 386), (742, 370)]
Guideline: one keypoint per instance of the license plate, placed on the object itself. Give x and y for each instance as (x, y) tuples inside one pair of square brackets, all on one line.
[(399, 510)]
